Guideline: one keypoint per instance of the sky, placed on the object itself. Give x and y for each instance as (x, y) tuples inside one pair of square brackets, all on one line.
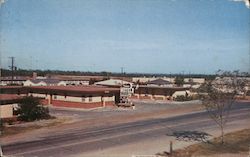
[(143, 36)]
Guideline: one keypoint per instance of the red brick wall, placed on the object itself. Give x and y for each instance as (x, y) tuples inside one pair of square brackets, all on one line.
[(44, 102), (134, 97), (59, 103), (144, 97), (158, 98), (111, 103)]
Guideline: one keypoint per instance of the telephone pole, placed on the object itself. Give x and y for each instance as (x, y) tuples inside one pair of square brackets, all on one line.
[(122, 68), (12, 67)]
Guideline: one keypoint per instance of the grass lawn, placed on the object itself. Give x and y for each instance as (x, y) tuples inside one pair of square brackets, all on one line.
[(235, 143)]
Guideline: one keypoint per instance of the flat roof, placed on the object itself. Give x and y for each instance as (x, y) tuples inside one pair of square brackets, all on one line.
[(5, 97), (66, 90), (80, 89), (9, 98)]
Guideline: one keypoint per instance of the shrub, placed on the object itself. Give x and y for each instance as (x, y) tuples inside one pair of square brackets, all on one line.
[(248, 93), (183, 98), (30, 109)]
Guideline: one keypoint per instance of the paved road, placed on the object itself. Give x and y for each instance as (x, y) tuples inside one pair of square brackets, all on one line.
[(78, 141)]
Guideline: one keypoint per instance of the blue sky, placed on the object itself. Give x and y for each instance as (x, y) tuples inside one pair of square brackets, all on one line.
[(152, 36)]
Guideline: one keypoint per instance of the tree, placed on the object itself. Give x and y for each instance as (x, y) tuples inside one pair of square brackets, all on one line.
[(92, 81), (221, 94), (30, 109), (179, 81)]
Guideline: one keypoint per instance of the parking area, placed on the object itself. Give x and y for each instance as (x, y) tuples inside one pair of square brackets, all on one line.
[(142, 108)]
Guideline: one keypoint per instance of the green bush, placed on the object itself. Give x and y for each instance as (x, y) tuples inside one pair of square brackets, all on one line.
[(30, 109), (248, 93)]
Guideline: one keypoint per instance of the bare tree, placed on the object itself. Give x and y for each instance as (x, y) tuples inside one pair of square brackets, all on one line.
[(220, 97)]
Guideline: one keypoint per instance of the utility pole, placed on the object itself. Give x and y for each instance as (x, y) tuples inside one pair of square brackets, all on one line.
[(12, 67), (122, 68), (249, 67), (122, 71)]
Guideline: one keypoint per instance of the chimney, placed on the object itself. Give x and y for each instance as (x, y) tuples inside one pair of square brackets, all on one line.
[(34, 75)]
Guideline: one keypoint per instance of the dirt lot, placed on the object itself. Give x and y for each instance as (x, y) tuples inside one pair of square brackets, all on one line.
[(29, 126)]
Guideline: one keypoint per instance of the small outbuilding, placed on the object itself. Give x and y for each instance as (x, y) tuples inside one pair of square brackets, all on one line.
[(8, 102)]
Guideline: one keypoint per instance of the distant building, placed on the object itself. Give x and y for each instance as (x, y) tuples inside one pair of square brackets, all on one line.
[(113, 83), (17, 80), (77, 80), (156, 92), (44, 82), (144, 80), (194, 80), (170, 79), (160, 82), (187, 85)]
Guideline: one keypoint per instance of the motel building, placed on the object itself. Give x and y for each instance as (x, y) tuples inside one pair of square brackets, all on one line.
[(158, 92), (76, 96), (85, 97)]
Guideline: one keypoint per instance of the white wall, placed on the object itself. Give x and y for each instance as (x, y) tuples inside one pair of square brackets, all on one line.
[(61, 83), (80, 99), (181, 93), (29, 83), (38, 95), (143, 79), (112, 98)]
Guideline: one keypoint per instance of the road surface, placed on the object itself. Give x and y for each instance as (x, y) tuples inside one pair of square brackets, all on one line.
[(81, 141)]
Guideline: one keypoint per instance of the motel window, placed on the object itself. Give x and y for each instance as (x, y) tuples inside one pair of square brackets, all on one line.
[(83, 99), (90, 99), (55, 97)]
